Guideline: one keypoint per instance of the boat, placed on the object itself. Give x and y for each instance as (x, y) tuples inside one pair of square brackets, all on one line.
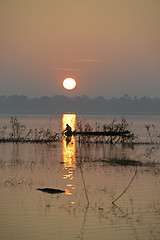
[(98, 133)]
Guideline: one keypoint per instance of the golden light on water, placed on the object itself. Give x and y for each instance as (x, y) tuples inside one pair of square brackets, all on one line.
[(69, 157), (69, 119), (69, 150)]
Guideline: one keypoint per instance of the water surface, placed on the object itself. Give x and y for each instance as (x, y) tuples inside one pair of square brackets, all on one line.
[(85, 210)]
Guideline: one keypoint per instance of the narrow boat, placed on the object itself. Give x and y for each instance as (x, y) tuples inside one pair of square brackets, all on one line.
[(106, 133)]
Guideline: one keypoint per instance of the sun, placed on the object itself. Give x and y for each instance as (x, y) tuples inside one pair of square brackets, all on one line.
[(69, 83)]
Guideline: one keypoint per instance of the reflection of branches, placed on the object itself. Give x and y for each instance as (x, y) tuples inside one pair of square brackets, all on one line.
[(83, 223), (136, 170), (80, 165)]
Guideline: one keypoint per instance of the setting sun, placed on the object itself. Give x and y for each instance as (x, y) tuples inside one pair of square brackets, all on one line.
[(69, 83)]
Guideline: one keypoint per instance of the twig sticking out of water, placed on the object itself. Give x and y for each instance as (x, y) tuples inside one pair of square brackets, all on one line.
[(82, 231), (84, 187), (80, 165), (136, 170)]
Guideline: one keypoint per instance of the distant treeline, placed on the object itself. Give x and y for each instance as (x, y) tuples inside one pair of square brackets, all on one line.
[(82, 105)]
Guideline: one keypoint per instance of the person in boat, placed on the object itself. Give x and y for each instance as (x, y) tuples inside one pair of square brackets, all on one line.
[(68, 129)]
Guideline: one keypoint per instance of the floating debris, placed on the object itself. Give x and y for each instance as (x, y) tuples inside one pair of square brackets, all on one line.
[(50, 190)]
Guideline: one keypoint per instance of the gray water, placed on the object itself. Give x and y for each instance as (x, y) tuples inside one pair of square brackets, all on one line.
[(85, 210)]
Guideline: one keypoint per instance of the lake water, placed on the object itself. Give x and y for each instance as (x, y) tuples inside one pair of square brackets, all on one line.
[(85, 210)]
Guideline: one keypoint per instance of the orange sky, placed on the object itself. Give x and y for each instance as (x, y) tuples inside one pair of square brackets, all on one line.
[(110, 46)]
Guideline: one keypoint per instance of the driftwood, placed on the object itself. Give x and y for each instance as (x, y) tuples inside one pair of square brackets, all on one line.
[(50, 190)]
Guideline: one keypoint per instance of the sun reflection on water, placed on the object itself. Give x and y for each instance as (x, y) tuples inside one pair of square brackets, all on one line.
[(69, 149)]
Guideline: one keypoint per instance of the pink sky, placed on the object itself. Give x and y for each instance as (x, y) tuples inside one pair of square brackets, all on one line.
[(111, 47)]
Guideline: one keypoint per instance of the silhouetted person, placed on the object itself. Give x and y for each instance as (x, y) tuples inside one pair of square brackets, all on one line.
[(68, 129)]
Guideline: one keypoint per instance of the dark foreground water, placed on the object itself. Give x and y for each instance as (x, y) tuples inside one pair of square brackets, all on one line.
[(91, 182)]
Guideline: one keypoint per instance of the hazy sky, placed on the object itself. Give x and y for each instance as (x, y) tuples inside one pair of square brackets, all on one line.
[(111, 47)]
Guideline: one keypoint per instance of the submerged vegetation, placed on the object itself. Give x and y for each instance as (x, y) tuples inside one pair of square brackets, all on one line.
[(126, 136), (118, 132), (19, 133), (123, 161), (108, 133)]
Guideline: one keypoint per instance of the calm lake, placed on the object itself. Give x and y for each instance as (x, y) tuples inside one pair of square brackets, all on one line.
[(90, 181)]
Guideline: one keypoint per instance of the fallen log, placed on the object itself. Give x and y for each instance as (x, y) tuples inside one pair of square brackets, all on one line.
[(50, 190)]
